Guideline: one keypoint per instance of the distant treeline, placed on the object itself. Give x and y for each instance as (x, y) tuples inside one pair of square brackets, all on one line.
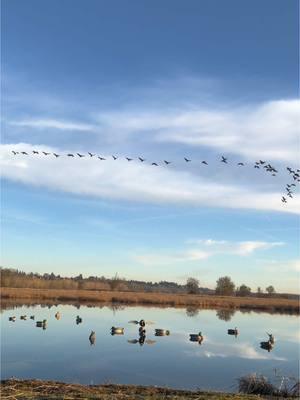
[(15, 278)]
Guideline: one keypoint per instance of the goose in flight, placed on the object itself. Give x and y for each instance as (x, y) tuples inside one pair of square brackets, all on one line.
[(204, 162), (15, 152), (290, 195), (129, 159), (70, 155), (80, 155), (101, 158), (142, 159), (256, 166), (56, 155), (167, 162), (45, 153), (240, 163), (115, 158), (91, 155), (154, 163), (35, 152), (224, 159), (283, 199), (187, 160), (262, 162), (24, 152)]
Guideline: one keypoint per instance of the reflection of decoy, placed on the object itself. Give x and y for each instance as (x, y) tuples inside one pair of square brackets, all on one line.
[(135, 341), (101, 158), (196, 337), (142, 159), (141, 322), (233, 331), (162, 332), (224, 159), (56, 155), (78, 320), (142, 330), (92, 337), (187, 160), (80, 155), (57, 315), (266, 346), (12, 318), (31, 316), (271, 338), (116, 330), (24, 317)]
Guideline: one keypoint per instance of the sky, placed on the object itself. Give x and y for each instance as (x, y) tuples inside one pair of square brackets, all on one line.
[(161, 81)]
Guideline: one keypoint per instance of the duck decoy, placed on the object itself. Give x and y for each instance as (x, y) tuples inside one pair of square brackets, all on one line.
[(78, 320), (115, 158), (91, 154), (41, 324), (12, 318), (35, 152), (187, 160), (57, 315), (45, 153), (142, 159), (80, 155), (32, 317), (196, 337), (102, 158), (224, 160), (162, 332), (234, 331), (116, 330), (56, 155), (23, 317), (92, 337)]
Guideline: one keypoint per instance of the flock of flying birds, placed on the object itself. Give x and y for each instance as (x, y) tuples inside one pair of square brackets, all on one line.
[(294, 173)]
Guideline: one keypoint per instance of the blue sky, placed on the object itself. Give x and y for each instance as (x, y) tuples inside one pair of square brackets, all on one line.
[(163, 80)]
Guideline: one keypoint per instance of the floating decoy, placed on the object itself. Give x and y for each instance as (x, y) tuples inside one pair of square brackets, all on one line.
[(224, 160), (154, 163), (162, 332), (35, 152), (70, 155), (196, 337), (41, 324), (15, 152), (78, 320), (271, 338), (116, 330), (91, 154), (240, 163), (56, 155), (204, 162), (167, 162), (142, 159), (187, 160), (283, 199), (129, 159), (24, 152), (115, 158), (233, 331), (135, 341), (57, 315), (92, 337), (142, 330), (141, 322), (80, 155), (24, 317), (266, 346), (31, 316), (12, 318), (101, 158), (45, 153)]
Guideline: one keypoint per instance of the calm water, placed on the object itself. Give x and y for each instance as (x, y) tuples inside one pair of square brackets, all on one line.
[(63, 351)]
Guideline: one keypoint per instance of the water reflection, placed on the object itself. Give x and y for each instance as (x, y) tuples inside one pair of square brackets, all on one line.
[(192, 311), (225, 314)]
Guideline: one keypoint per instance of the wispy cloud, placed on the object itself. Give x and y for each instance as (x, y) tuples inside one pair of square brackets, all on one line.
[(42, 124)]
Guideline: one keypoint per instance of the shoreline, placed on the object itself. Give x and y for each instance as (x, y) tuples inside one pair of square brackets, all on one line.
[(275, 305), (41, 389)]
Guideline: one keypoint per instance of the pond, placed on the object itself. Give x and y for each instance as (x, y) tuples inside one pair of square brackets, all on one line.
[(61, 350)]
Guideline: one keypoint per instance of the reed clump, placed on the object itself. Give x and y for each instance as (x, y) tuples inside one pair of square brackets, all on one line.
[(260, 385)]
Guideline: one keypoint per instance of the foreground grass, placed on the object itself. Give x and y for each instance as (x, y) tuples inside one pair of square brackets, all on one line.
[(36, 389), (160, 299)]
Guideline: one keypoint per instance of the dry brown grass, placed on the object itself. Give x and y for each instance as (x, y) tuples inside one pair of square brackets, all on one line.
[(158, 299)]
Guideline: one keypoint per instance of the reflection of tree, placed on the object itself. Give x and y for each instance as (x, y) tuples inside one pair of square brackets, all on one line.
[(114, 307), (192, 311), (225, 314)]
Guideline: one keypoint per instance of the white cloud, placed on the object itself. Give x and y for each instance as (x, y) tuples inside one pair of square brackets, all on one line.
[(53, 124)]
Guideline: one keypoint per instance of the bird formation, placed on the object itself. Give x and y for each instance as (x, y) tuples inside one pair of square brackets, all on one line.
[(194, 337), (259, 165)]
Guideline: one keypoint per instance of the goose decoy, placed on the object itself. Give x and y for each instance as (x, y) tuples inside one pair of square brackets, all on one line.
[(102, 158), (271, 338), (92, 337), (224, 160), (78, 320), (204, 162), (32, 317), (35, 152), (56, 155), (80, 155), (240, 163), (167, 162), (70, 155), (187, 160), (234, 331), (91, 154), (129, 159), (24, 152), (115, 158), (41, 324), (116, 330), (15, 152), (142, 159), (266, 346), (45, 153), (196, 337), (57, 315), (12, 319), (162, 332), (23, 317), (154, 163), (142, 330), (283, 199)]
